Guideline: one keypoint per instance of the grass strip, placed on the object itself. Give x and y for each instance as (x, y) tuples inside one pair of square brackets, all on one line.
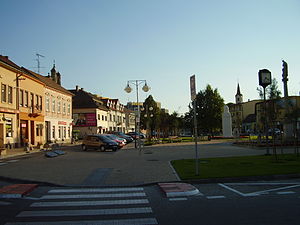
[(237, 166)]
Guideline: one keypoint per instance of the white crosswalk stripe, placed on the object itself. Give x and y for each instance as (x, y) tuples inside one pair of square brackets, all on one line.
[(101, 205)]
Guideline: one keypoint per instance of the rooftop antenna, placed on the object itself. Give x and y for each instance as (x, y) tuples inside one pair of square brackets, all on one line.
[(38, 61)]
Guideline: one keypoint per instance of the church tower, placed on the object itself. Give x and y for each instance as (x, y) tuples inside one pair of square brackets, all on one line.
[(238, 96)]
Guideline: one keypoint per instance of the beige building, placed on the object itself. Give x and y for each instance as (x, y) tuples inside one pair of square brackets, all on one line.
[(9, 112), (58, 108), (243, 114)]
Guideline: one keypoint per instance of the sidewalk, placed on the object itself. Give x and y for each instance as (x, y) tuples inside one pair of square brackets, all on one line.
[(17, 152)]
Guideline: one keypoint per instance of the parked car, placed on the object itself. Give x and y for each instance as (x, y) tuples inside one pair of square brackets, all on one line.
[(120, 141), (122, 135), (276, 131), (98, 141), (134, 135)]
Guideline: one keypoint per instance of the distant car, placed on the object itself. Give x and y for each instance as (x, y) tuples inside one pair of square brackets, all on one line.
[(121, 142), (122, 135), (276, 131), (98, 141), (135, 135)]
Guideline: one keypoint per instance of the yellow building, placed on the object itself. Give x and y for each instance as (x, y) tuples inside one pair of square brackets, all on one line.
[(22, 105), (8, 104)]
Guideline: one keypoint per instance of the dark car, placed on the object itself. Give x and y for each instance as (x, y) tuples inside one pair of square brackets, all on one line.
[(135, 135), (98, 141), (122, 135)]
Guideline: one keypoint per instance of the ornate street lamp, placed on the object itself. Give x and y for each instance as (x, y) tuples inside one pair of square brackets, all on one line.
[(145, 88)]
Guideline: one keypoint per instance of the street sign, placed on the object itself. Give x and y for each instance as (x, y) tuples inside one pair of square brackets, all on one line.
[(193, 87)]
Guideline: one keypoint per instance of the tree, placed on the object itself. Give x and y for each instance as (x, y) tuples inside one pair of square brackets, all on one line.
[(209, 108), (272, 91)]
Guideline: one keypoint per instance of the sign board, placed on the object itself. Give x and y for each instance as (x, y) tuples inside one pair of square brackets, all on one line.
[(193, 87)]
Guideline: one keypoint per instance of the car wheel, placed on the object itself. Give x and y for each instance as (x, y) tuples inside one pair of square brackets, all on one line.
[(102, 148), (84, 148)]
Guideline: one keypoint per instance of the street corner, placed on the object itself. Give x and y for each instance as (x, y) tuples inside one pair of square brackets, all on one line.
[(16, 190), (178, 189)]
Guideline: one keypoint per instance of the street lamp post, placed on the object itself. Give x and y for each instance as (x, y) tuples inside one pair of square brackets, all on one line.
[(264, 77), (145, 88)]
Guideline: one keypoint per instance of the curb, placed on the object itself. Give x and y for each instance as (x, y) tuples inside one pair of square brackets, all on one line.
[(16, 190), (178, 189)]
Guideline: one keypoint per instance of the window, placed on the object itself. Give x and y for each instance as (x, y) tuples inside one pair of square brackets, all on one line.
[(8, 127), (69, 108), (53, 131), (10, 97), (65, 132), (37, 130), (98, 116), (58, 106), (37, 102), (69, 132), (26, 99), (102, 117), (32, 100), (47, 104), (41, 103), (53, 105), (64, 108), (3, 93), (21, 97), (110, 118)]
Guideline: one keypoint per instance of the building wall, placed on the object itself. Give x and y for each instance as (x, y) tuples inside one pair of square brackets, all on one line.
[(58, 116), (8, 108), (32, 110)]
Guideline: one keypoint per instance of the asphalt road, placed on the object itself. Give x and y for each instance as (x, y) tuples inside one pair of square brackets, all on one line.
[(127, 166), (245, 203)]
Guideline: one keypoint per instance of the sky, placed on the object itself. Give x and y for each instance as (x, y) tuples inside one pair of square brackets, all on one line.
[(101, 45)]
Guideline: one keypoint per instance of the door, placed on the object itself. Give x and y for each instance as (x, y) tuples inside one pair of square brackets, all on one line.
[(47, 129), (32, 136), (24, 132), (1, 136)]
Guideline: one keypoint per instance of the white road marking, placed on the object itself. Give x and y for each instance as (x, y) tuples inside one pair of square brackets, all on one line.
[(276, 189), (140, 221), (87, 212), (177, 199), (233, 190), (215, 197), (261, 183), (110, 195), (285, 192), (12, 161), (95, 190), (91, 203)]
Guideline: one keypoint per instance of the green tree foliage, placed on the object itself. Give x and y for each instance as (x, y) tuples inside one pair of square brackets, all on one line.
[(272, 91), (209, 108), (158, 121)]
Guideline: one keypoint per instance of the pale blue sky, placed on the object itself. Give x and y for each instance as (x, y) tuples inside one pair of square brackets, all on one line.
[(100, 45)]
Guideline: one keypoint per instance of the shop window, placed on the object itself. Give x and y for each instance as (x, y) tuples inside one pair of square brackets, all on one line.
[(8, 127), (65, 132)]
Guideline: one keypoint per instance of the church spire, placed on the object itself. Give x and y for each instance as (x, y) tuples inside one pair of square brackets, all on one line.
[(238, 96)]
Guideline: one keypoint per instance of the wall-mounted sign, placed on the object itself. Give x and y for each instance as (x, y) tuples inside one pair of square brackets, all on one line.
[(84, 119)]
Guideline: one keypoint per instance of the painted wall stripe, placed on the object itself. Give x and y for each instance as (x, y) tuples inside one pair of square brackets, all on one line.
[(90, 203)]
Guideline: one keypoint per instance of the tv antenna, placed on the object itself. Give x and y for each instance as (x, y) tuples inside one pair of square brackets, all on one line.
[(38, 61)]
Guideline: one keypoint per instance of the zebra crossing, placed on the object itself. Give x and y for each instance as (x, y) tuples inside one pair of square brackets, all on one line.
[(89, 206)]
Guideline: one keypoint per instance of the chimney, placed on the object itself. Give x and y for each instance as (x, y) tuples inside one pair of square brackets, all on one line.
[(77, 88)]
